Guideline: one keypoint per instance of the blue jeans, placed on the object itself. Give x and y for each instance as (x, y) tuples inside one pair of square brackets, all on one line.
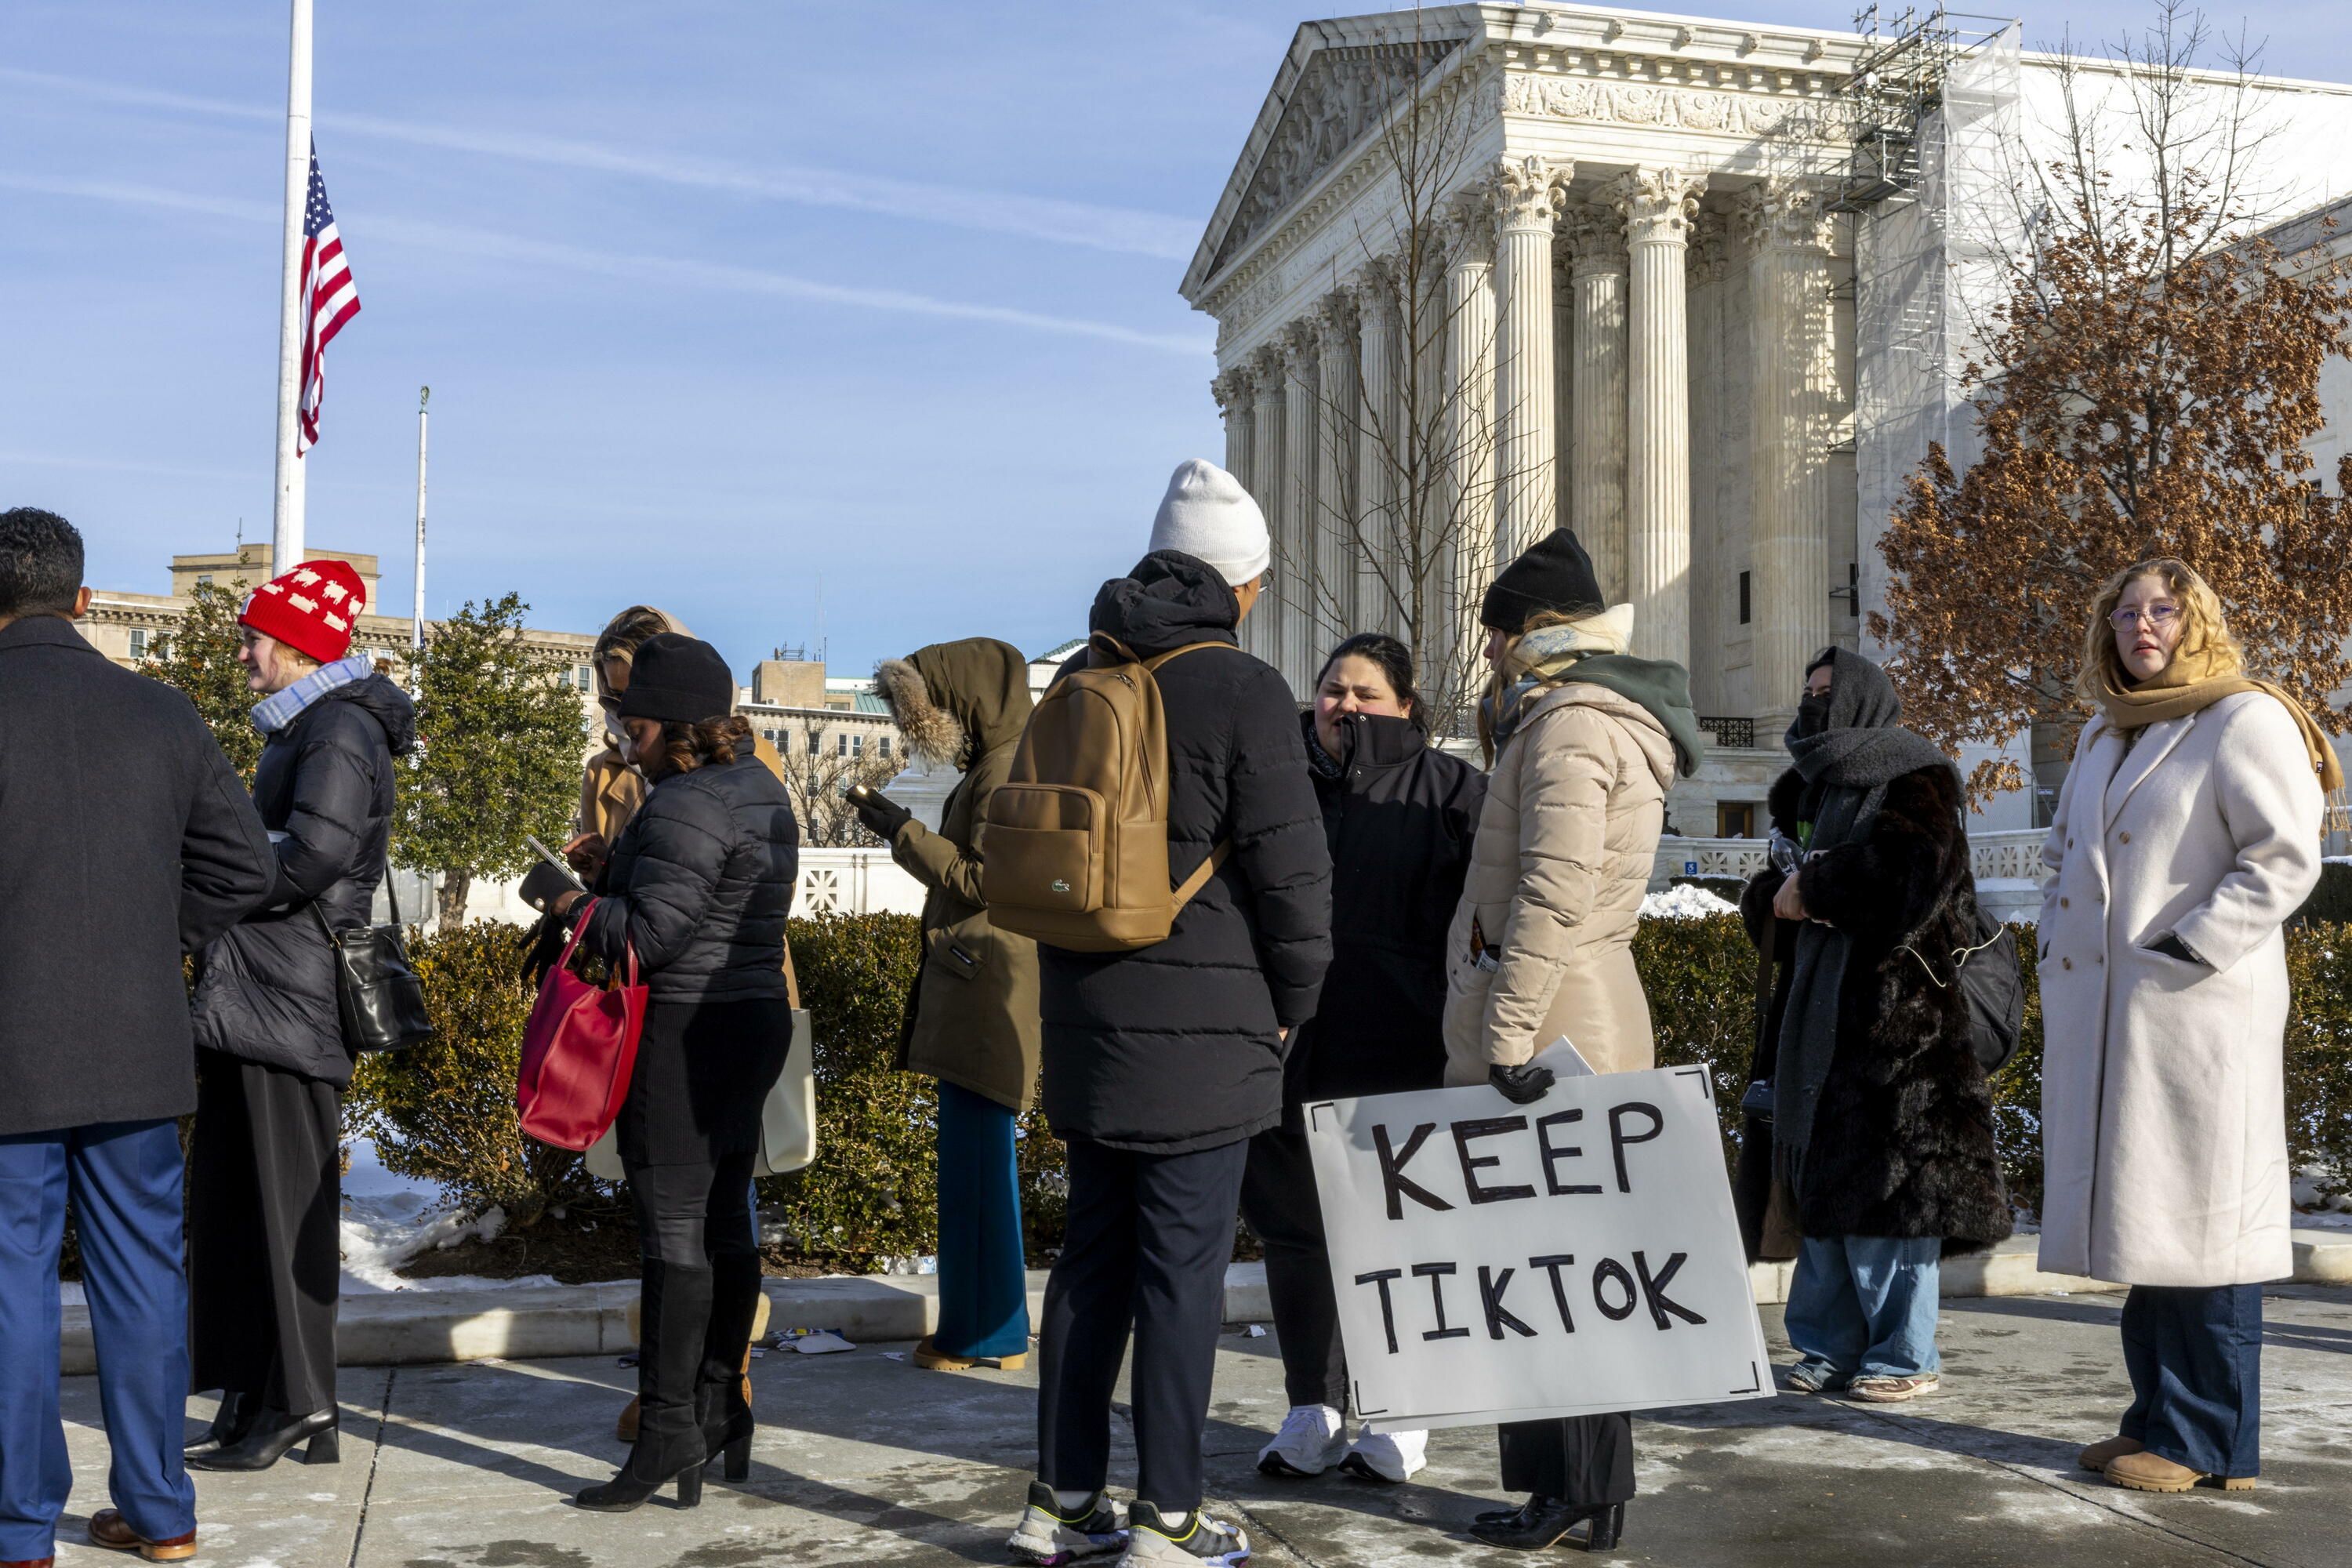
[(125, 1181), (1865, 1306), (983, 1282), (2196, 1361)]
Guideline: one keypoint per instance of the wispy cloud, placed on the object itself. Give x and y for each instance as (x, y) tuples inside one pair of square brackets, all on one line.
[(1033, 218), (618, 264)]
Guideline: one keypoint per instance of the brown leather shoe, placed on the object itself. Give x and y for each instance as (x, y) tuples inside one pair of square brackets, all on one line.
[(107, 1529), (2099, 1456), (2146, 1472)]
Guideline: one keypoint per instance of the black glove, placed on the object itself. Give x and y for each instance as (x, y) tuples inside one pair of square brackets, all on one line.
[(883, 816), (1521, 1085), (543, 885), (2171, 946)]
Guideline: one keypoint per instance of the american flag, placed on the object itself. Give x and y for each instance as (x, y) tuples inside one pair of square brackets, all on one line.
[(329, 299)]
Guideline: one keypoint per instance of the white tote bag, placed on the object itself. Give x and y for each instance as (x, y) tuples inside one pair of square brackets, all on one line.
[(787, 1120)]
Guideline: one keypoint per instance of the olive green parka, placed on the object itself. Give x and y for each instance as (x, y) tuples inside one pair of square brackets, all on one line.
[(972, 1017)]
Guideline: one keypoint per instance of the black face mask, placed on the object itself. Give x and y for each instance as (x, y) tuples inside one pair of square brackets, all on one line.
[(1812, 714)]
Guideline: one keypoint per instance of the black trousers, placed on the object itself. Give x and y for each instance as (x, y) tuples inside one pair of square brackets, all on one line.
[(1581, 1460), (1146, 1248), (1278, 1200), (700, 1272), (265, 1258)]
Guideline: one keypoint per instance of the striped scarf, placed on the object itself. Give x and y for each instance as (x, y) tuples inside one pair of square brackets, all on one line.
[(279, 708)]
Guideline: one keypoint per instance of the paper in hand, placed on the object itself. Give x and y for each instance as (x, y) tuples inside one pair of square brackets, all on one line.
[(1564, 1059)]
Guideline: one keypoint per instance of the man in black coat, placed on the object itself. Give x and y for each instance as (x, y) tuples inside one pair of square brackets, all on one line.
[(125, 841), (1161, 1063)]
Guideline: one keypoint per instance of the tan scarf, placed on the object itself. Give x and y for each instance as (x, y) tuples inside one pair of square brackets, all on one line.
[(2195, 680)]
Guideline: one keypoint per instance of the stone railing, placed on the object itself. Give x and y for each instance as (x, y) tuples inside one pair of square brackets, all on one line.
[(1738, 734), (854, 882), (2011, 854)]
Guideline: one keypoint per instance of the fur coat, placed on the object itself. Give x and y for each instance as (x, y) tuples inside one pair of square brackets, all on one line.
[(1903, 1142)]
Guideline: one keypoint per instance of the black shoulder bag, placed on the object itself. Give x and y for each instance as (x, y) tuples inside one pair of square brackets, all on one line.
[(376, 989)]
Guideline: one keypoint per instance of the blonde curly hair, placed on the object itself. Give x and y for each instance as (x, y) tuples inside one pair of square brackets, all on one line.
[(2203, 626)]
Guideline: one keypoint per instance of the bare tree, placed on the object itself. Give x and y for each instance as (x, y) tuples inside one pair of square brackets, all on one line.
[(820, 769)]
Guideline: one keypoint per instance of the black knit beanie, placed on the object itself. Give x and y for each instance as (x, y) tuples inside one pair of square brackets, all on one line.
[(678, 680), (1554, 574)]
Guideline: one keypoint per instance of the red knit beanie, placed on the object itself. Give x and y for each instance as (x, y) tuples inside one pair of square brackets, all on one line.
[(310, 609)]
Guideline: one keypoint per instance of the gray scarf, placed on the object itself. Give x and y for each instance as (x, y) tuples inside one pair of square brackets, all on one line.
[(1860, 748)]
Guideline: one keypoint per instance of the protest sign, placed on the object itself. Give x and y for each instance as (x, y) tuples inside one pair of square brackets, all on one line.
[(1501, 1262)]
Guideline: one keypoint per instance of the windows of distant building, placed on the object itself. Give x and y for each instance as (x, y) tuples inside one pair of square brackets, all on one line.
[(885, 745), (138, 642), (816, 743)]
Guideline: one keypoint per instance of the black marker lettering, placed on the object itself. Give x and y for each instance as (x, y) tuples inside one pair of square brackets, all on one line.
[(1552, 1265), (1552, 1156), (1388, 1310), (1654, 1290), (1435, 1274), (1490, 1296), (1392, 1177), (1618, 1139), (1609, 1269), (1487, 1127)]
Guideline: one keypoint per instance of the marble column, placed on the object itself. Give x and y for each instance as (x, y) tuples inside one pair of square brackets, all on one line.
[(1261, 633), (1713, 588), (1381, 447), (1529, 192), (1563, 379), (1596, 247), (1658, 204), (1337, 536), (1294, 552), (1237, 406), (1787, 231), (1468, 515)]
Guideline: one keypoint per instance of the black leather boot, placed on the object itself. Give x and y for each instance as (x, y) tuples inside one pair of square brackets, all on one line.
[(675, 1314), (722, 1397), (1548, 1522), (231, 1422), (268, 1436)]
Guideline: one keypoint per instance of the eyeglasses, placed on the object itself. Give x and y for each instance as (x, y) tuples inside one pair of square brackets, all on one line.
[(2157, 618)]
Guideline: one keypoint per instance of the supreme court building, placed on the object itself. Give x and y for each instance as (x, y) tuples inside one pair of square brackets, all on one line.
[(1700, 289)]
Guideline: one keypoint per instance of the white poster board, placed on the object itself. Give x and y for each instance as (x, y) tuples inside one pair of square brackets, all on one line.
[(1500, 1262)]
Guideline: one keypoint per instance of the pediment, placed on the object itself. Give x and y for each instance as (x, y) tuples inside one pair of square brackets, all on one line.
[(1327, 98)]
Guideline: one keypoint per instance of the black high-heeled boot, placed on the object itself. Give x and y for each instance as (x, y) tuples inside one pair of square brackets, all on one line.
[(1544, 1522), (674, 1316), (231, 1422), (271, 1434), (722, 1403)]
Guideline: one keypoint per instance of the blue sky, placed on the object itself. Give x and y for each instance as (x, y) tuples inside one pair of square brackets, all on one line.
[(741, 308)]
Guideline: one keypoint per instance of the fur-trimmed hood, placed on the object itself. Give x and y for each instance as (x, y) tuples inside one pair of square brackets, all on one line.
[(955, 702)]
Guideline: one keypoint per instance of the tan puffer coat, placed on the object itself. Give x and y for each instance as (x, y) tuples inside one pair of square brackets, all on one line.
[(1564, 849)]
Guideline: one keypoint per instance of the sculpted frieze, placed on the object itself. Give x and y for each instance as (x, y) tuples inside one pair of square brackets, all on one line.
[(1673, 108)]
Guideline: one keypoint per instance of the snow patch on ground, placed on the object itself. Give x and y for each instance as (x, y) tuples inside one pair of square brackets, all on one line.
[(390, 1220), (1685, 903), (2314, 1212)]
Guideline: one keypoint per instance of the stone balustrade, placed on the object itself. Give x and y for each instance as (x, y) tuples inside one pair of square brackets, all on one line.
[(2013, 855)]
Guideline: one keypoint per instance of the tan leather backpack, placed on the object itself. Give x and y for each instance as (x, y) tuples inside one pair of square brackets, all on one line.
[(1075, 849)]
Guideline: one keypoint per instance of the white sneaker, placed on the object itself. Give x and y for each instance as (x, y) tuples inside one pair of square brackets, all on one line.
[(1306, 1445), (1049, 1535), (1185, 1540), (1388, 1456)]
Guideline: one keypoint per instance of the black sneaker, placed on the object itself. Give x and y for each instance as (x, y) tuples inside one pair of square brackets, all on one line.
[(1048, 1537), (1187, 1541)]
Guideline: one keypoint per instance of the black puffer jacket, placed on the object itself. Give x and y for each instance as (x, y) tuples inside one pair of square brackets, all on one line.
[(700, 883), (1174, 1047), (1399, 819), (266, 991)]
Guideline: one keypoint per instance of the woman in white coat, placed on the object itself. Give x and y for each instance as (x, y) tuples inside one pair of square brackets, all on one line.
[(2186, 834)]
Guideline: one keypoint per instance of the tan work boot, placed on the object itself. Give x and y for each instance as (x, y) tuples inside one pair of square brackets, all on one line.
[(2146, 1472), (2099, 1456), (930, 1358)]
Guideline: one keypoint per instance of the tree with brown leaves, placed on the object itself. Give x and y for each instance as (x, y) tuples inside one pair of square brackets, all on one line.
[(2153, 391)]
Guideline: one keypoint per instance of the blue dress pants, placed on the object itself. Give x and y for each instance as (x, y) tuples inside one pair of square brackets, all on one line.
[(2195, 1355), (1865, 1306), (124, 1178), (983, 1279)]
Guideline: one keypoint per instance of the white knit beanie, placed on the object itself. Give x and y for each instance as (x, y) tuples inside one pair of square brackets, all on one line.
[(1207, 515)]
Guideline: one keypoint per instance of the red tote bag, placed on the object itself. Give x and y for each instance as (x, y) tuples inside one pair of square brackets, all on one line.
[(578, 1052)]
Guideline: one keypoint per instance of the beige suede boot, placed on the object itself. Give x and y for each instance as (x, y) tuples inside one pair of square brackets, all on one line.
[(2099, 1456), (2146, 1472)]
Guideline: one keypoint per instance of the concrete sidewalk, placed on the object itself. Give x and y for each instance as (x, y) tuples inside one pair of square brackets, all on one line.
[(864, 1459)]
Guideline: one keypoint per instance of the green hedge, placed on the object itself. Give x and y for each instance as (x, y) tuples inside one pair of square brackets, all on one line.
[(446, 1111)]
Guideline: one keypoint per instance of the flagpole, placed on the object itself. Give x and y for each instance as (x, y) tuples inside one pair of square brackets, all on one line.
[(417, 627), (285, 535)]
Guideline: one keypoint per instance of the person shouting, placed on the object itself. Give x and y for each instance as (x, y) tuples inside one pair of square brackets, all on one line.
[(265, 1163), (1398, 814), (1584, 739), (972, 1019), (2187, 832), (1883, 1137)]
